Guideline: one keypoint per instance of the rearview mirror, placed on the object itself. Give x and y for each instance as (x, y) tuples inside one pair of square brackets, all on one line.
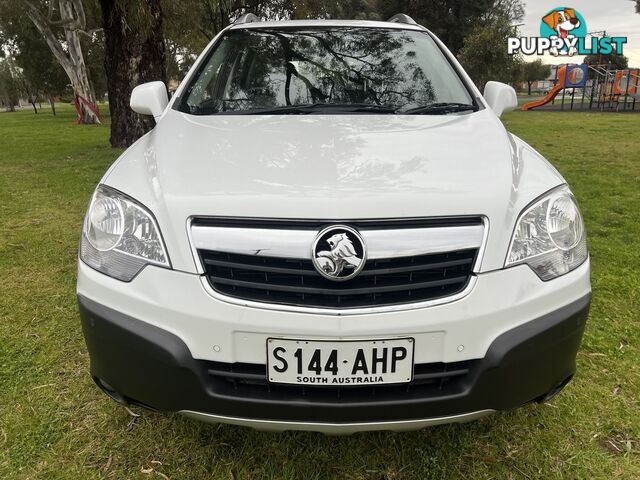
[(149, 99), (500, 97)]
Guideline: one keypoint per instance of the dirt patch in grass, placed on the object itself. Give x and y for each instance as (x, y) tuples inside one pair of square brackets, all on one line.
[(618, 444)]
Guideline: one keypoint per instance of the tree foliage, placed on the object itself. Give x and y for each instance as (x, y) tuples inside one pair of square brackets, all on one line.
[(10, 84), (612, 61), (454, 20), (534, 71), (44, 77), (484, 54), (42, 71), (451, 20), (62, 24), (158, 36), (343, 9), (190, 24)]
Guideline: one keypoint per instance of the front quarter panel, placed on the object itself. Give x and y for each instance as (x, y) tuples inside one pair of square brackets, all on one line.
[(135, 173), (531, 176)]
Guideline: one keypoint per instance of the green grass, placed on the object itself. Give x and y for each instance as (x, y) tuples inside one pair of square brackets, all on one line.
[(54, 423)]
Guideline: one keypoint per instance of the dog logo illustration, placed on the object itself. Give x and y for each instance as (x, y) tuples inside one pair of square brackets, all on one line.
[(338, 253), (563, 31), (566, 24)]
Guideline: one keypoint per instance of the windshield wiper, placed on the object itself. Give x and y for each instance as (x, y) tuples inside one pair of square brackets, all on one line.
[(309, 108), (321, 107), (440, 109)]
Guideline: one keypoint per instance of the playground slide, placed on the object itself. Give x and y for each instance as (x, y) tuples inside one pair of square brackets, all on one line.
[(557, 88)]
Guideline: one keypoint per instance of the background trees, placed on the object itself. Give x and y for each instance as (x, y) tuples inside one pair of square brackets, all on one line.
[(454, 20), (613, 61), (192, 23), (41, 72), (348, 9), (9, 84), (534, 71), (89, 47), (61, 26), (485, 57), (134, 54)]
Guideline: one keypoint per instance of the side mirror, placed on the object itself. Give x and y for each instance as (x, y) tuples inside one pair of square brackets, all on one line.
[(500, 97), (149, 99)]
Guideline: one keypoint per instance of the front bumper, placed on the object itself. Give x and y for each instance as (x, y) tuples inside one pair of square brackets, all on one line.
[(145, 364)]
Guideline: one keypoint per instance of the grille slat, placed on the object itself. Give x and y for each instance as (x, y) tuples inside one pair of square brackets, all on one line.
[(238, 376), (366, 273), (421, 377), (416, 268), (258, 267), (337, 291), (296, 282)]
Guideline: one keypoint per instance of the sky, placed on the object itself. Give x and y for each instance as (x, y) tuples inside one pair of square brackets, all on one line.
[(617, 17)]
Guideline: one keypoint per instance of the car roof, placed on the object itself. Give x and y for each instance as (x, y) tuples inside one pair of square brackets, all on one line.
[(328, 23)]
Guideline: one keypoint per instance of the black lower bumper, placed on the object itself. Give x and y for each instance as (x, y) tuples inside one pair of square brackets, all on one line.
[(144, 364)]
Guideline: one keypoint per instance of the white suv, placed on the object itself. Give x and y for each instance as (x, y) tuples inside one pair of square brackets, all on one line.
[(330, 229)]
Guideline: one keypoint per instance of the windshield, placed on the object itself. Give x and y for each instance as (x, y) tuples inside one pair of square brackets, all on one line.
[(353, 69)]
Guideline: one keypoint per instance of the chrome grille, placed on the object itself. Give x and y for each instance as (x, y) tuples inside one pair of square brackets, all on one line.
[(236, 266), (296, 282)]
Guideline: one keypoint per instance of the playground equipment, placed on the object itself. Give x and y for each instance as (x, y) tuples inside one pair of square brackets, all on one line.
[(592, 87), (557, 88)]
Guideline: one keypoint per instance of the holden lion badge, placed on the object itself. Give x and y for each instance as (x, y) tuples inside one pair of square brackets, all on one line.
[(339, 253)]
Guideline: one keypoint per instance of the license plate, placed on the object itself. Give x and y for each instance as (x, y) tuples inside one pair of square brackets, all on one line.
[(343, 363)]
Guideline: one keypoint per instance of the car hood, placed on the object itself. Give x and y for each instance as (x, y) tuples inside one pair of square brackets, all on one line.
[(331, 167)]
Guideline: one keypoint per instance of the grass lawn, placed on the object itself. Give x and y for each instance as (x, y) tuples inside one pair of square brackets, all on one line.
[(54, 423)]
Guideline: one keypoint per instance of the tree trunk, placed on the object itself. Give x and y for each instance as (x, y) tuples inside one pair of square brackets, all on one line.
[(79, 77), (133, 56), (529, 85), (53, 105), (70, 55)]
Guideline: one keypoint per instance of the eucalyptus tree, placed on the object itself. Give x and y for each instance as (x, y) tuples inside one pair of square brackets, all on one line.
[(43, 76), (10, 84), (134, 54), (61, 24), (144, 37), (534, 71)]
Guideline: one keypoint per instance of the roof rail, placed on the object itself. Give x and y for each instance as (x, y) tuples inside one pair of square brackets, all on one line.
[(247, 18), (402, 18)]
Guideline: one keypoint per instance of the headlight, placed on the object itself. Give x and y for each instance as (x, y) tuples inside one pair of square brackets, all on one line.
[(550, 236), (120, 237)]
